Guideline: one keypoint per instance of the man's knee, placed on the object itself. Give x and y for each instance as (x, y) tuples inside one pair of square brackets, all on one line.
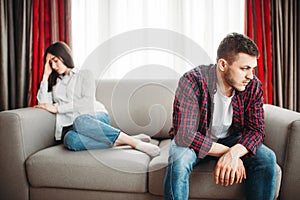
[(267, 155), (266, 159), (182, 165), (182, 159), (271, 163)]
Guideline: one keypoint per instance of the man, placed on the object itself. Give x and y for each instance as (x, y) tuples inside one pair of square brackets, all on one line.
[(218, 112)]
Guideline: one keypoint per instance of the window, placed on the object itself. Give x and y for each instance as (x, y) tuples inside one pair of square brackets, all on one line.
[(111, 36)]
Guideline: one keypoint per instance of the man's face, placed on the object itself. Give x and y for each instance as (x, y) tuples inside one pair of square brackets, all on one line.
[(240, 72)]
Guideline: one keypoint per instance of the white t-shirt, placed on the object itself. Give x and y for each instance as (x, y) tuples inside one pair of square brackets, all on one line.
[(73, 94), (222, 116)]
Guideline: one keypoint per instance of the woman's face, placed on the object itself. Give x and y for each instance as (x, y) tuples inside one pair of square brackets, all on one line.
[(57, 64)]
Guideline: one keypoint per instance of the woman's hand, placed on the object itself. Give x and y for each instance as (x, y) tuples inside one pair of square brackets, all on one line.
[(49, 107), (47, 68)]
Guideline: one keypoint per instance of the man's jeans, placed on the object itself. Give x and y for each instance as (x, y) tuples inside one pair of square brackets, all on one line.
[(91, 132), (260, 171)]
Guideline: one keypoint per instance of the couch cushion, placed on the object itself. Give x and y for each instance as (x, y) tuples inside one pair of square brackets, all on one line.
[(202, 183), (106, 169)]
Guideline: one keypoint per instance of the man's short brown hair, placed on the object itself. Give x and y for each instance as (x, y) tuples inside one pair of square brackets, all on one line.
[(235, 43)]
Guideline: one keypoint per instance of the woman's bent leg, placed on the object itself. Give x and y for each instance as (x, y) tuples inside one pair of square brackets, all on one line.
[(76, 142), (103, 117), (102, 132), (181, 163), (92, 132)]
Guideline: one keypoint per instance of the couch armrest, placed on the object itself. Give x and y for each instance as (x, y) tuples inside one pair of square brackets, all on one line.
[(291, 172), (283, 136), (22, 133)]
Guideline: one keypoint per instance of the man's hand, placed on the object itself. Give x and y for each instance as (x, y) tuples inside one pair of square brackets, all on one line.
[(230, 167), (49, 107), (229, 170)]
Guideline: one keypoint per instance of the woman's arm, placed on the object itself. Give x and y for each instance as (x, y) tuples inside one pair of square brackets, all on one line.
[(43, 95)]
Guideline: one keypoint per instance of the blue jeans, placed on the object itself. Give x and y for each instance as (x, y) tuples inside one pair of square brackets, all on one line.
[(91, 132), (260, 171)]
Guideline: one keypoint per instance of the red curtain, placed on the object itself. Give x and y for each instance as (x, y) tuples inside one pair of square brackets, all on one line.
[(258, 27), (51, 23)]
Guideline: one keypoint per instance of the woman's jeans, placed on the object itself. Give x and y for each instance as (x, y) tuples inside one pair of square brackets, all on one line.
[(260, 171), (91, 132)]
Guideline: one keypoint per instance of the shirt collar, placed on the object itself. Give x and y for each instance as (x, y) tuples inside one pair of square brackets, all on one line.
[(75, 70), (212, 79)]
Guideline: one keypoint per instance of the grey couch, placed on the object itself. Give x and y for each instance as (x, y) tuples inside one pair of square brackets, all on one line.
[(32, 167)]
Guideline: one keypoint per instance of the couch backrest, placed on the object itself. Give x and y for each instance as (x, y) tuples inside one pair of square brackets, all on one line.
[(139, 106)]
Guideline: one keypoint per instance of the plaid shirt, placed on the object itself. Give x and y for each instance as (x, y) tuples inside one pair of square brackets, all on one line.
[(193, 111)]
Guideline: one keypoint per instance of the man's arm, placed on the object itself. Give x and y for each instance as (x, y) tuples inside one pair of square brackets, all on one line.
[(253, 130), (217, 150), (189, 110)]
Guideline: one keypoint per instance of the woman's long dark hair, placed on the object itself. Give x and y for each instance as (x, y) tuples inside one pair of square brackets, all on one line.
[(62, 51)]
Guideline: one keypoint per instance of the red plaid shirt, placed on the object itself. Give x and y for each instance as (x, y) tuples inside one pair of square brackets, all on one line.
[(193, 111)]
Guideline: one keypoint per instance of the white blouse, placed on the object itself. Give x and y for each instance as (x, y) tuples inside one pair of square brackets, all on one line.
[(73, 94)]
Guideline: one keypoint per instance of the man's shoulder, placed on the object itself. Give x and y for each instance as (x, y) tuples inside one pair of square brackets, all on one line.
[(253, 88), (254, 83), (200, 72)]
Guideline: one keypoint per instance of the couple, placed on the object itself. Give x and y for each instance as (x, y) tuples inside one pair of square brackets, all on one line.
[(217, 114)]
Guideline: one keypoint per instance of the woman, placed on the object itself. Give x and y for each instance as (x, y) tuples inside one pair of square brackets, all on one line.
[(81, 121)]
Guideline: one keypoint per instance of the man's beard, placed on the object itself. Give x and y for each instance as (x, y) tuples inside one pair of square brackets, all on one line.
[(230, 81)]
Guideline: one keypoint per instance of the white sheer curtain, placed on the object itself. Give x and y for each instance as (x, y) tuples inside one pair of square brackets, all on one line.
[(205, 22)]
